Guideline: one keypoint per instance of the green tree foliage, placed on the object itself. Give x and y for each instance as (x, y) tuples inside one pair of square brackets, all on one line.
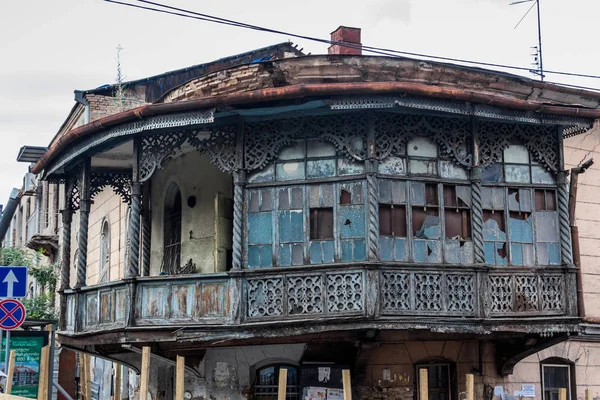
[(40, 306)]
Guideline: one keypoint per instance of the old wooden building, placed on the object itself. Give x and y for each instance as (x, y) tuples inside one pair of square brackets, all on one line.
[(324, 212)]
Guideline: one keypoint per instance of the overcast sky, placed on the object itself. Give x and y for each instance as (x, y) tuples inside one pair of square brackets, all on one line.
[(50, 48)]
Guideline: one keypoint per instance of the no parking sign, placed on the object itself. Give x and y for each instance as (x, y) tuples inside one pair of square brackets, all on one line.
[(12, 314)]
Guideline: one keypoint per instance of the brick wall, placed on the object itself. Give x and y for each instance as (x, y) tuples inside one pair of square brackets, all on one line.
[(102, 106)]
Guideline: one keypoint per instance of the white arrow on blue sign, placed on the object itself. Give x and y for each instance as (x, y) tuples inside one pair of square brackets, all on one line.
[(13, 282)]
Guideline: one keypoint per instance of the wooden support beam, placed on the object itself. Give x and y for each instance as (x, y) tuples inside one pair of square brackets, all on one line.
[(118, 372), (423, 384), (470, 387), (145, 372), (562, 394), (588, 394), (86, 377), (347, 384), (43, 377), (282, 388), (180, 378), (10, 371)]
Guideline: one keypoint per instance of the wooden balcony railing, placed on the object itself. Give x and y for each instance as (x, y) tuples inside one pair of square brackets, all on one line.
[(369, 292)]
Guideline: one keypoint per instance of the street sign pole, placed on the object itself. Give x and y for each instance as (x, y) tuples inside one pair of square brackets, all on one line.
[(7, 352)]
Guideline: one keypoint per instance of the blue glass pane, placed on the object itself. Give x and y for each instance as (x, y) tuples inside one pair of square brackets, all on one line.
[(328, 251), (253, 256), (493, 173), (359, 250), (346, 250), (553, 253), (320, 168), (291, 226), (517, 173), (419, 250), (266, 256), (521, 230), (434, 251), (285, 255), (401, 253), (500, 249), (352, 221), (316, 253), (516, 254), (491, 231), (489, 251), (386, 248), (260, 228)]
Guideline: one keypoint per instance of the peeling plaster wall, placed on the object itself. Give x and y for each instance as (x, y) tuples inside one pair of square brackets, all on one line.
[(577, 149), (195, 176)]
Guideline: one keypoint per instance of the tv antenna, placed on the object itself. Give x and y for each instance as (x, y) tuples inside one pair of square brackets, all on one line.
[(537, 50)]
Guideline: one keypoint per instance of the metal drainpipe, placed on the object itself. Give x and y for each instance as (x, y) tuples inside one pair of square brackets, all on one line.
[(575, 231)]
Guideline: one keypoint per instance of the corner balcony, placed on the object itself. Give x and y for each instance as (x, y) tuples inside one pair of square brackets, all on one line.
[(475, 299)]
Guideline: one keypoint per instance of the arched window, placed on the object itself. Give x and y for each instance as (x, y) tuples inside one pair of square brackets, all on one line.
[(267, 381), (172, 233), (557, 373), (104, 252)]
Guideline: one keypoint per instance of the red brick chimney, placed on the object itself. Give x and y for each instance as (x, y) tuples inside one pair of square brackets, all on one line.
[(348, 35)]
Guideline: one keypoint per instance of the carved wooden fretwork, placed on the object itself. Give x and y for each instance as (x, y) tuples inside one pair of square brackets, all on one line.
[(219, 144), (315, 294), (428, 293), (264, 139), (541, 141), (392, 131), (346, 132), (73, 192), (157, 149), (118, 181), (526, 293)]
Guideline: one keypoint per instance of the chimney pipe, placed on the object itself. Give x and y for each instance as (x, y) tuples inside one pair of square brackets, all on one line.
[(342, 35)]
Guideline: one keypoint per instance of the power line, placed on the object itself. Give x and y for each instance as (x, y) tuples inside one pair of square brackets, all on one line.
[(376, 50)]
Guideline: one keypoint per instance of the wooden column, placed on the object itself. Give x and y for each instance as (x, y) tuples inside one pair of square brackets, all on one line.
[(282, 387), (133, 269), (372, 193), (588, 394), (562, 394), (470, 387), (65, 254), (145, 372), (84, 215), (117, 391), (347, 384), (239, 182), (423, 384), (10, 371), (43, 375), (180, 378)]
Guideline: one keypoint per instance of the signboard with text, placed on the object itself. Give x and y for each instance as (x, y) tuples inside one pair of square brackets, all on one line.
[(28, 346)]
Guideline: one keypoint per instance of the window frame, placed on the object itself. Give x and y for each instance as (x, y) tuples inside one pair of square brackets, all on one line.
[(290, 395), (556, 362)]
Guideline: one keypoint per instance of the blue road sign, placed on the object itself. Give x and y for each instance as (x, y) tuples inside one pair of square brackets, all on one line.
[(13, 282), (12, 314)]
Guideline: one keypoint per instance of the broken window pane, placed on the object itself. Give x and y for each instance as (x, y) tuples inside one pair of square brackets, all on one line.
[(345, 197), (431, 196), (392, 220), (493, 225), (545, 200), (457, 224), (425, 223), (352, 221), (321, 223), (492, 198), (519, 199)]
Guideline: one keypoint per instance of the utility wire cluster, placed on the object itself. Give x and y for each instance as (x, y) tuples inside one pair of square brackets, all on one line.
[(181, 12)]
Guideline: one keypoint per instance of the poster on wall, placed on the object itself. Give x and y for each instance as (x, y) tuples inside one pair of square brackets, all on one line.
[(28, 347)]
